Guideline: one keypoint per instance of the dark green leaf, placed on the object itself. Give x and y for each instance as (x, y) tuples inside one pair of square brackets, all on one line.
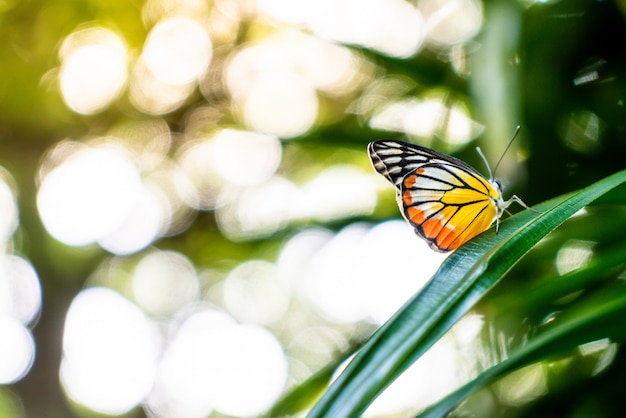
[(460, 282)]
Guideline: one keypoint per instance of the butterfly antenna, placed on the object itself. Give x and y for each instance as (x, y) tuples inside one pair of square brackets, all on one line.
[(482, 156), (495, 168)]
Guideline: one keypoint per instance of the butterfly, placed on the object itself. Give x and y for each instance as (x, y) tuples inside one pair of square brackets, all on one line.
[(446, 200)]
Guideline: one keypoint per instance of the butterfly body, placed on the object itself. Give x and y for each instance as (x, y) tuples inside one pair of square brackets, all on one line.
[(447, 201)]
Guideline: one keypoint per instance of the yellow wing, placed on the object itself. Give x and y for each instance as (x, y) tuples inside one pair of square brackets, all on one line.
[(447, 205), (444, 199)]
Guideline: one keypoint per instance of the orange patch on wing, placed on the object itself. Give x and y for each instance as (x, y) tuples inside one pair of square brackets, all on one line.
[(447, 243), (415, 215), (432, 227), (409, 181), (407, 198)]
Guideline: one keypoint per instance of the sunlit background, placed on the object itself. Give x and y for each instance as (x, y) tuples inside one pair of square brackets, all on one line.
[(152, 329), (213, 233)]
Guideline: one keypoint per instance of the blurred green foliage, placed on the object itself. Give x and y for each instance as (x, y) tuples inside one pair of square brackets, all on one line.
[(561, 76)]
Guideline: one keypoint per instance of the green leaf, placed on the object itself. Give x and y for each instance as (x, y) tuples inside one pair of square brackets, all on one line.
[(305, 394), (459, 283), (599, 316)]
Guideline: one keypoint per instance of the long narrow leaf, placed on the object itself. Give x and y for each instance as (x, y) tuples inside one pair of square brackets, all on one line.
[(601, 316), (460, 282)]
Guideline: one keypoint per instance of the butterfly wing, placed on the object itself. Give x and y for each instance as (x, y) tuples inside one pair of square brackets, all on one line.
[(444, 199), (396, 159)]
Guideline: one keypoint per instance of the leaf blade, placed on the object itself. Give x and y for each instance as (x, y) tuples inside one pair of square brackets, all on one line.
[(452, 291)]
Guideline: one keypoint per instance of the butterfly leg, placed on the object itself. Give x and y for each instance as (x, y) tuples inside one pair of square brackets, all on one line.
[(520, 202), (509, 202)]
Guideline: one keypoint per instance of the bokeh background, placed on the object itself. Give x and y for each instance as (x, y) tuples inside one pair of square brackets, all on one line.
[(189, 222)]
